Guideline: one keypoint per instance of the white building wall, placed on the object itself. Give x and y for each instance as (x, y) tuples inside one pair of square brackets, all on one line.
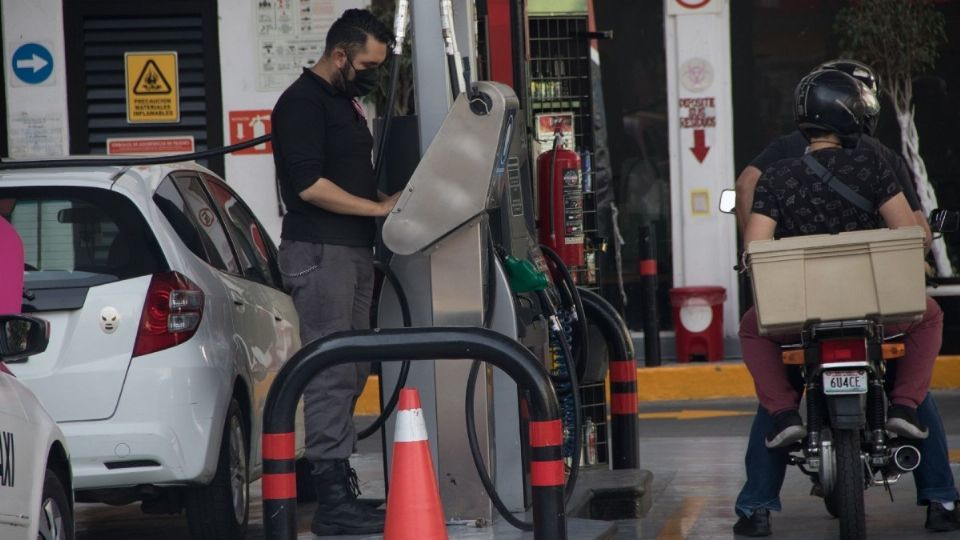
[(36, 114)]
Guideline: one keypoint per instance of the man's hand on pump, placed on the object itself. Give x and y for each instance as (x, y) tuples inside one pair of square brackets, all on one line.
[(387, 202)]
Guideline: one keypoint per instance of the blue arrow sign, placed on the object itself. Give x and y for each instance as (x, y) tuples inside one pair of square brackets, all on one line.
[(32, 63)]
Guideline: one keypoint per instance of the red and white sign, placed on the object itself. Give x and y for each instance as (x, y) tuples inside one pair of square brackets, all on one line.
[(149, 146), (698, 114), (246, 125), (685, 7)]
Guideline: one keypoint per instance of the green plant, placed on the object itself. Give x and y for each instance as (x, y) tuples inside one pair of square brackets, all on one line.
[(899, 39)]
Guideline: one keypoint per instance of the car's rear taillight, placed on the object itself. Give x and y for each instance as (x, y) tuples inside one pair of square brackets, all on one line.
[(171, 313), (843, 350)]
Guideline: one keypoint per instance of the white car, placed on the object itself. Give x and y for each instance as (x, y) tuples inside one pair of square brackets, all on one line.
[(36, 501), (168, 326)]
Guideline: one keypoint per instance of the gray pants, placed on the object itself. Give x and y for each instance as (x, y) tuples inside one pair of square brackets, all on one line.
[(332, 288)]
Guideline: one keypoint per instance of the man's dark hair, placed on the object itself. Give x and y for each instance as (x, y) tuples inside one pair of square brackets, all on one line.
[(350, 32)]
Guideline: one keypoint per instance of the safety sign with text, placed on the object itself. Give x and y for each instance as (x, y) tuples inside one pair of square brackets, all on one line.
[(150, 146), (698, 114), (153, 90)]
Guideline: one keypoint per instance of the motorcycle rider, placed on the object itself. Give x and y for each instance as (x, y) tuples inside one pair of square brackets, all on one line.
[(766, 469)]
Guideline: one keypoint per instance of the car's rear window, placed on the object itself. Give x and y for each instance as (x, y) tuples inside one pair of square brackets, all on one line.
[(79, 237)]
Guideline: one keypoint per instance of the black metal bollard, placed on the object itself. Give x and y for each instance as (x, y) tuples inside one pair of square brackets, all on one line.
[(648, 295), (624, 442), (396, 345)]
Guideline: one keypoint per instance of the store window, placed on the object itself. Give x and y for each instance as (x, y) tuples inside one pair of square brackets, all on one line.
[(633, 70)]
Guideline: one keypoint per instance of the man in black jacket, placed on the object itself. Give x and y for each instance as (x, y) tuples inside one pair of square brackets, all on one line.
[(321, 149)]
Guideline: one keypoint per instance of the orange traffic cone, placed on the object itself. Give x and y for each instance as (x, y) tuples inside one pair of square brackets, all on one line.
[(413, 504)]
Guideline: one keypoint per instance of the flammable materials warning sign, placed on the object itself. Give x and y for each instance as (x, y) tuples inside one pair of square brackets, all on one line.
[(153, 88)]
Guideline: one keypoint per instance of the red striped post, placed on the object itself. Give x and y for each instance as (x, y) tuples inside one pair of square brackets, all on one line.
[(547, 478), (623, 414), (280, 481)]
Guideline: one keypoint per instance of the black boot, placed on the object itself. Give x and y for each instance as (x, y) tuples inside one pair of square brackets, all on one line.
[(338, 510), (758, 524)]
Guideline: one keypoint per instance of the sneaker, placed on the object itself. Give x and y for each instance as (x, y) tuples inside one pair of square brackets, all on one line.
[(758, 524), (902, 420), (939, 519), (787, 429)]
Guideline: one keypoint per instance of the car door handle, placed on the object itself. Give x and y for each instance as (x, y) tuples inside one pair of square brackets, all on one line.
[(277, 317), (238, 303)]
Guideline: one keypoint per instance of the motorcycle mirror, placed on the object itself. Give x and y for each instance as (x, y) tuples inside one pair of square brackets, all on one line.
[(944, 221), (728, 201)]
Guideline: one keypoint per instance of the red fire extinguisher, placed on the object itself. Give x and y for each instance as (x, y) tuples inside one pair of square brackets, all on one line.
[(560, 190)]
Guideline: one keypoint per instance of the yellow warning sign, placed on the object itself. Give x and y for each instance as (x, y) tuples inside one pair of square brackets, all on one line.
[(153, 90)]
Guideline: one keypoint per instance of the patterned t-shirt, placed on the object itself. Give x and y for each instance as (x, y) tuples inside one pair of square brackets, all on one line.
[(801, 203)]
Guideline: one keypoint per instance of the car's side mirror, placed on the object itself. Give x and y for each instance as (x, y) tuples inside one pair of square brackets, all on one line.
[(728, 201), (944, 221), (22, 337)]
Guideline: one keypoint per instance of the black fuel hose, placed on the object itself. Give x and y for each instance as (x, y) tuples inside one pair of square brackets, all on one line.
[(405, 366), (576, 303), (470, 396)]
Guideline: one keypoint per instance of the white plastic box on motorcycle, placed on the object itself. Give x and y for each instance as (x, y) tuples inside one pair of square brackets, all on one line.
[(827, 277), (168, 326)]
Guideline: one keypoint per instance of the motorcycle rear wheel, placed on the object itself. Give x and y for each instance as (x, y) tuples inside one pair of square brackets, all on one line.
[(848, 491)]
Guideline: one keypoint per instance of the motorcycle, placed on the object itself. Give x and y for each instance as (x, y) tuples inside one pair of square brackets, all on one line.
[(842, 367)]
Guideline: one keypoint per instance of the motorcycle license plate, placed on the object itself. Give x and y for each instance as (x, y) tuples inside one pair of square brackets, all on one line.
[(845, 382)]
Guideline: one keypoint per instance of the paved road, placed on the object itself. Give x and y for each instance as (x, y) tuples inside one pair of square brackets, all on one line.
[(695, 451)]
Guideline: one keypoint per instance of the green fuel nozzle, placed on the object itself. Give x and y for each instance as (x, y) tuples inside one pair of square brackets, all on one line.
[(524, 275)]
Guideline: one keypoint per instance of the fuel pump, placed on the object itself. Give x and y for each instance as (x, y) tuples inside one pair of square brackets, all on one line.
[(560, 196), (466, 253)]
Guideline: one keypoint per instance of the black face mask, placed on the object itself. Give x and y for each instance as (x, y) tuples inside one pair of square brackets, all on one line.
[(364, 80)]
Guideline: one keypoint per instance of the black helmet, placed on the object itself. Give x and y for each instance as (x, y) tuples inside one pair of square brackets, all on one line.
[(834, 102), (857, 70), (862, 73)]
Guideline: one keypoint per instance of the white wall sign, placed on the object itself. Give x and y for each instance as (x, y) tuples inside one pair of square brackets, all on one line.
[(290, 36), (36, 135)]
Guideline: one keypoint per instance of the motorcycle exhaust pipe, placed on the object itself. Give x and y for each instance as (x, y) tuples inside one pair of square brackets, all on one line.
[(906, 457)]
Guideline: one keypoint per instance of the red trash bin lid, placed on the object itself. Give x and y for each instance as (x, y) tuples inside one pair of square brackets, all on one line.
[(713, 295)]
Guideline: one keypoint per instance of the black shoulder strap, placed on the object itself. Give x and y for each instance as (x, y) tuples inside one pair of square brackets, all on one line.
[(839, 187)]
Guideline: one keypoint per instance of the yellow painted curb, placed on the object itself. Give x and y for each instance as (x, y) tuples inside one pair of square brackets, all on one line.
[(369, 402), (721, 380), (694, 381)]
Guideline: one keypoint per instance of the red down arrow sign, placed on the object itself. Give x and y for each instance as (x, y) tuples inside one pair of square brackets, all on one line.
[(700, 148)]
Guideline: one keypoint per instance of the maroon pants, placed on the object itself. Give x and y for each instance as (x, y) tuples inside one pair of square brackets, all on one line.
[(763, 358)]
